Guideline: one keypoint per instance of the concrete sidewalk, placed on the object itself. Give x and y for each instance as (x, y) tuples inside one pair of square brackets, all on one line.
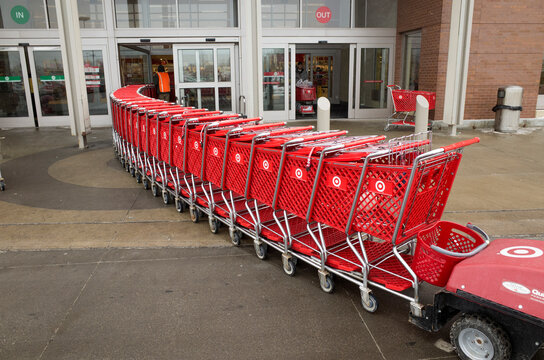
[(111, 272)]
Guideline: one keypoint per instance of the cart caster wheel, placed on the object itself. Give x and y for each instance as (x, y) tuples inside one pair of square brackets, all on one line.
[(166, 197), (261, 250), (155, 191), (195, 214), (123, 163), (328, 285), (146, 184), (132, 172), (290, 266), (372, 305), (214, 225), (138, 177), (386, 128), (180, 205), (2, 186), (476, 337), (235, 236), (127, 166)]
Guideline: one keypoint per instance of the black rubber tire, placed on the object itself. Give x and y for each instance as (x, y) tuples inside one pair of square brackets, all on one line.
[(495, 334), (166, 197), (329, 287), (261, 251), (214, 225), (146, 184), (155, 190), (373, 306), (236, 237), (180, 206), (2, 186), (138, 177), (132, 171), (195, 214), (291, 268)]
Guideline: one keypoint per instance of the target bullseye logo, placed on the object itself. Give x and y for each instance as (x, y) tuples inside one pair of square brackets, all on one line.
[(266, 165), (336, 181), (238, 158), (298, 173), (522, 252), (196, 145), (179, 139), (379, 186), (215, 151), (400, 96)]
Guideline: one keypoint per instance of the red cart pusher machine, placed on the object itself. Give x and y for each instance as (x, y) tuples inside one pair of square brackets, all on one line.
[(359, 208)]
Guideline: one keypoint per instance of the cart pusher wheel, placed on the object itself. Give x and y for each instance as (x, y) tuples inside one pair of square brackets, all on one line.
[(214, 224), (180, 205), (476, 337), (235, 236), (289, 264)]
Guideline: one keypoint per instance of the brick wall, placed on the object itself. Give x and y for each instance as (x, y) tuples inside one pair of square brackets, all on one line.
[(507, 48)]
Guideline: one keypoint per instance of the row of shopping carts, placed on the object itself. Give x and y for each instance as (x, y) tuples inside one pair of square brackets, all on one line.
[(350, 206)]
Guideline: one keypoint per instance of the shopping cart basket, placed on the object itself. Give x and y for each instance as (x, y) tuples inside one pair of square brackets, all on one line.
[(404, 102)]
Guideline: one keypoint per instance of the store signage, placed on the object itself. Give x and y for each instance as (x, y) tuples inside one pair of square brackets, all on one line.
[(10, 79), (20, 14), (323, 14), (52, 78)]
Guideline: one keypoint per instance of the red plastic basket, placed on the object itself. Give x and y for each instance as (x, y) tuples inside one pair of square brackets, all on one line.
[(405, 100), (434, 267)]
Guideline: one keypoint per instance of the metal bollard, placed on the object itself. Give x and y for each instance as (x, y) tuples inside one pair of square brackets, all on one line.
[(323, 114), (422, 114)]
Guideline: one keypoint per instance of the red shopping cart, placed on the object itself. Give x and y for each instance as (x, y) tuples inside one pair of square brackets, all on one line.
[(404, 102)]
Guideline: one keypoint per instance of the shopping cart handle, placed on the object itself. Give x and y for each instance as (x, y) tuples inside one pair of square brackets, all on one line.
[(461, 144), (459, 255), (479, 231)]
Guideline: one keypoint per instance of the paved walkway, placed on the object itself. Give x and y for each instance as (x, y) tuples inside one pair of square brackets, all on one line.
[(111, 272)]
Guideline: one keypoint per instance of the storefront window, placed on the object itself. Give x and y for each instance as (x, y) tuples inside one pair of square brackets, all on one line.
[(273, 79), (326, 13), (91, 14), (145, 13), (412, 49), (95, 81), (208, 13), (22, 14), (376, 13), (135, 64), (280, 13)]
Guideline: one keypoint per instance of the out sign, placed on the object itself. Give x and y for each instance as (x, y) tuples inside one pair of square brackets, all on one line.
[(323, 14)]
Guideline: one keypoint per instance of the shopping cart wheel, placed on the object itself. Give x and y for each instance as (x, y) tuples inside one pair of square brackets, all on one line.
[(327, 285), (166, 197), (235, 236), (146, 183), (372, 305), (290, 266), (180, 205), (132, 171), (138, 177), (214, 224), (476, 337), (127, 166), (261, 250), (2, 186), (195, 214), (155, 190), (123, 163)]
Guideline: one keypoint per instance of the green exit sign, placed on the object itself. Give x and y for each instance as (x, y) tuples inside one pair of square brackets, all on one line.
[(20, 14)]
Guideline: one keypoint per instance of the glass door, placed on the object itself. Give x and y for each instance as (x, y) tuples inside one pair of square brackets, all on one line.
[(373, 74), (97, 83), (49, 85), (15, 100), (204, 76), (275, 90)]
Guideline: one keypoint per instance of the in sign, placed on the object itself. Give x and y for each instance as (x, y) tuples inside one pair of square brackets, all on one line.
[(323, 14)]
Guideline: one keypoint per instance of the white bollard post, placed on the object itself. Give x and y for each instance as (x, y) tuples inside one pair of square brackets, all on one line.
[(422, 114), (323, 114)]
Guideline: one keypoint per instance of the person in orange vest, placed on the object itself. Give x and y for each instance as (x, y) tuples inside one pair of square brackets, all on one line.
[(162, 83)]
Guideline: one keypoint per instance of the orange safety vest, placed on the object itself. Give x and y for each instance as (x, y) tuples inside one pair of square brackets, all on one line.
[(164, 82)]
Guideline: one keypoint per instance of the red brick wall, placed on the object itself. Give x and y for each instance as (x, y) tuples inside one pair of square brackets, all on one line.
[(507, 48)]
